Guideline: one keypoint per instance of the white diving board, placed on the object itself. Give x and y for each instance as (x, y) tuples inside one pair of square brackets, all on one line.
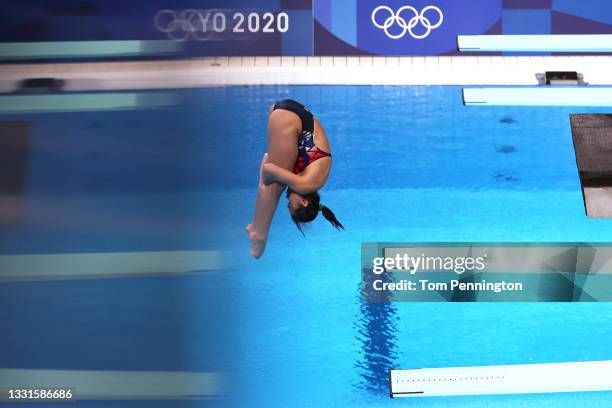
[(539, 96), (109, 264), (85, 49), (85, 102), (589, 43), (502, 379)]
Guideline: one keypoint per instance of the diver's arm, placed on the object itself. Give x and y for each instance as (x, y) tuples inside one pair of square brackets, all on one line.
[(302, 184)]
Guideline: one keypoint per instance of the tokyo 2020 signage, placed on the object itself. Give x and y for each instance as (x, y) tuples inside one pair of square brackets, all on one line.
[(302, 27)]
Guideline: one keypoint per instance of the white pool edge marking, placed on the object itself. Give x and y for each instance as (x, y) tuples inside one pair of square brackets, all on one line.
[(118, 385), (340, 70), (591, 43), (539, 96), (84, 102), (114, 264), (502, 379)]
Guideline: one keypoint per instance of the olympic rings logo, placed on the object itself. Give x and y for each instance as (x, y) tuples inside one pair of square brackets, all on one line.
[(407, 25)]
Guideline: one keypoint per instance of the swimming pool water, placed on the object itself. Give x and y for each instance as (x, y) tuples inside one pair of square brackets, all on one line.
[(410, 164)]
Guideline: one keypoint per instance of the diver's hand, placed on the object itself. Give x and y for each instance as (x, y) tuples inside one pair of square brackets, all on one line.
[(268, 173), (264, 160)]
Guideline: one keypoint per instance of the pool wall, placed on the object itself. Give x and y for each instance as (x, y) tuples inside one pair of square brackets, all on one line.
[(336, 70)]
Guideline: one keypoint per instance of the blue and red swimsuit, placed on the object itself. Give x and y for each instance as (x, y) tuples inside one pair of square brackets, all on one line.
[(308, 151)]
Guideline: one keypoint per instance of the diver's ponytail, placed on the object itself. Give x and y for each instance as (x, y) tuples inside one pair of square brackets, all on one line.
[(329, 216)]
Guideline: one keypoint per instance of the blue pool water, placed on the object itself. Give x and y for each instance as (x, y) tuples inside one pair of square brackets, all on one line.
[(410, 164)]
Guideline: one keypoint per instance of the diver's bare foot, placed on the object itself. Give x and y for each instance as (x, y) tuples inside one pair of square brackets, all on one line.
[(258, 244)]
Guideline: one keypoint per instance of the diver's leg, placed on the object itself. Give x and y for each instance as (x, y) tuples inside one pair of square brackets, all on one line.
[(282, 151), (265, 206)]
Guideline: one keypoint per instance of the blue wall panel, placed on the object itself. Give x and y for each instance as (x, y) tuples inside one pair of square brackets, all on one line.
[(322, 27)]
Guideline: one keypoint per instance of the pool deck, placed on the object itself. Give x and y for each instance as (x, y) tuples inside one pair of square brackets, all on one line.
[(341, 70)]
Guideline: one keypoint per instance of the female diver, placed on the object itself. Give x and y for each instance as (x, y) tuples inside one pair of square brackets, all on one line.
[(298, 157)]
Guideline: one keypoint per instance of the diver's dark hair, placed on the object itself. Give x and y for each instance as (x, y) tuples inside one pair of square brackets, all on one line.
[(307, 214)]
